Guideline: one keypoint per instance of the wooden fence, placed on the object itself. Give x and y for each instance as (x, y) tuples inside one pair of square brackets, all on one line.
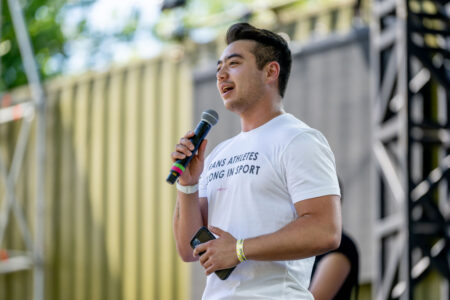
[(108, 207)]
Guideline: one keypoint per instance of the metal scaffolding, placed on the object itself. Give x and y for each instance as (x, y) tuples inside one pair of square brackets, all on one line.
[(33, 257), (410, 61)]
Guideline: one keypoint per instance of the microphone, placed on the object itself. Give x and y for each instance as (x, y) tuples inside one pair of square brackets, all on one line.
[(209, 119)]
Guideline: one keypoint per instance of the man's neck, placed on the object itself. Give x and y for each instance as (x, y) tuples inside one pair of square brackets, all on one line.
[(261, 114)]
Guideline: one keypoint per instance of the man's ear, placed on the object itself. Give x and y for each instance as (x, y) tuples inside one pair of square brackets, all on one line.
[(272, 71)]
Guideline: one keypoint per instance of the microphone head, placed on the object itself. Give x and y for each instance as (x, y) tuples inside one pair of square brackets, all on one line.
[(210, 116)]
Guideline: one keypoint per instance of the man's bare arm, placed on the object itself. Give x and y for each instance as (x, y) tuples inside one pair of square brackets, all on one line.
[(190, 214), (316, 231), (190, 210)]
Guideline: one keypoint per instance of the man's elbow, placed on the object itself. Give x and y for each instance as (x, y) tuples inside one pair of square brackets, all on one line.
[(186, 255), (336, 241), (333, 240), (187, 258)]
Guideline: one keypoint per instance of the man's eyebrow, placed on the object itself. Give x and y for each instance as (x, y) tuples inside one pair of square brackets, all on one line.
[(229, 57)]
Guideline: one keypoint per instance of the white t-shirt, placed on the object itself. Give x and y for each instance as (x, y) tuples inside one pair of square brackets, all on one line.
[(252, 182)]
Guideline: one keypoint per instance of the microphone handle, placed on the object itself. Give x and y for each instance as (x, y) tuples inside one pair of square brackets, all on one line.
[(180, 165)]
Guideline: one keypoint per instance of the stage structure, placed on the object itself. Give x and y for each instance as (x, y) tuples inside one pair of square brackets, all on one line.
[(410, 61), (33, 257)]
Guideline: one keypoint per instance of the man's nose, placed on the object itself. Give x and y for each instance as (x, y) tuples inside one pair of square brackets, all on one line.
[(221, 74)]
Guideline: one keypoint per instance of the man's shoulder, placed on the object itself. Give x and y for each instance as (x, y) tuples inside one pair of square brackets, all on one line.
[(294, 129)]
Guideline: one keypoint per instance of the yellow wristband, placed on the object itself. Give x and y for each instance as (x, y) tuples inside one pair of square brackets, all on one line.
[(240, 250)]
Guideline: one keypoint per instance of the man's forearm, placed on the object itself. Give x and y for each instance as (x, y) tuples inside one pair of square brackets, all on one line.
[(315, 231), (291, 242), (187, 220), (309, 235)]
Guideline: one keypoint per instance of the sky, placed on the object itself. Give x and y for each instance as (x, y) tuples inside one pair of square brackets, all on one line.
[(107, 16)]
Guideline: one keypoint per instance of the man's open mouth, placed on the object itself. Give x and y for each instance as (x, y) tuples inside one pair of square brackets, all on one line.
[(227, 89)]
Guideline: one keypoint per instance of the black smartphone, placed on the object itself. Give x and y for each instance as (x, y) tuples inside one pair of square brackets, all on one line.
[(203, 235)]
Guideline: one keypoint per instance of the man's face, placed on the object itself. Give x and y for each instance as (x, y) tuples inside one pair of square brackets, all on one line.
[(239, 81)]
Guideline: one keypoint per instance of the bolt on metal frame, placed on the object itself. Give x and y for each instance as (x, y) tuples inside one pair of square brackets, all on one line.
[(410, 63), (34, 257)]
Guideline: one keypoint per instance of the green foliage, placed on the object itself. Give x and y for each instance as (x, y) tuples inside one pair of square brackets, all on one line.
[(46, 36), (57, 28)]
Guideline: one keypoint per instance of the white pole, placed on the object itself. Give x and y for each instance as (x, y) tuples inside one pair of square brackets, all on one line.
[(37, 93)]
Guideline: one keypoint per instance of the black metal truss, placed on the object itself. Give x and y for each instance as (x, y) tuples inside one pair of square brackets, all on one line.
[(410, 54)]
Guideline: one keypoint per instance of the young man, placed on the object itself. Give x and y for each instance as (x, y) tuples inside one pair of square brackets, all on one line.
[(269, 194)]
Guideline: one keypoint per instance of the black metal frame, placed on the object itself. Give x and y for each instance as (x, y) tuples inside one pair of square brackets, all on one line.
[(410, 44)]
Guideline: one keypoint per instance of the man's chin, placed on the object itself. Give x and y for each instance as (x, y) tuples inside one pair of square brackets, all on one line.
[(231, 105), (228, 103)]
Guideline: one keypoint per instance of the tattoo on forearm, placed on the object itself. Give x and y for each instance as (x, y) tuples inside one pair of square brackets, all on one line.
[(177, 208)]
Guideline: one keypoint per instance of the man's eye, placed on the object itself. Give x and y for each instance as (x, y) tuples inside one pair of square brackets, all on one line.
[(233, 63)]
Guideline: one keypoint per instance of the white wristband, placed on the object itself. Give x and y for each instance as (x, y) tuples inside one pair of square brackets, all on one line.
[(187, 189)]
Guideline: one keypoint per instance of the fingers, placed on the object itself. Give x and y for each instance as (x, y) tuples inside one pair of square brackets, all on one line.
[(209, 270), (187, 143), (189, 134), (213, 257), (203, 259), (200, 248), (206, 262), (184, 148), (216, 230)]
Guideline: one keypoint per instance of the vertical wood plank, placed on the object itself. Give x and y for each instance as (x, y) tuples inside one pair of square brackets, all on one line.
[(81, 157), (167, 193), (96, 182), (65, 218), (16, 241), (345, 18), (130, 199), (52, 185), (29, 174), (140, 83), (185, 122), (113, 190), (149, 182), (3, 281)]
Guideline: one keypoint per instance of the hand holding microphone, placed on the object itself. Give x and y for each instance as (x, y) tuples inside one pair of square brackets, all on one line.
[(186, 150)]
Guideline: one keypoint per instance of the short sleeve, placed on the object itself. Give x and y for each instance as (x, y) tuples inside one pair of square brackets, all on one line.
[(310, 169)]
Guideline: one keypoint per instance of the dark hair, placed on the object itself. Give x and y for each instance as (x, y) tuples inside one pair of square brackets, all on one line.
[(272, 47)]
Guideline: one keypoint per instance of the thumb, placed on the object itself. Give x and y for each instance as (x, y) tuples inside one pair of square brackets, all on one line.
[(216, 230)]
